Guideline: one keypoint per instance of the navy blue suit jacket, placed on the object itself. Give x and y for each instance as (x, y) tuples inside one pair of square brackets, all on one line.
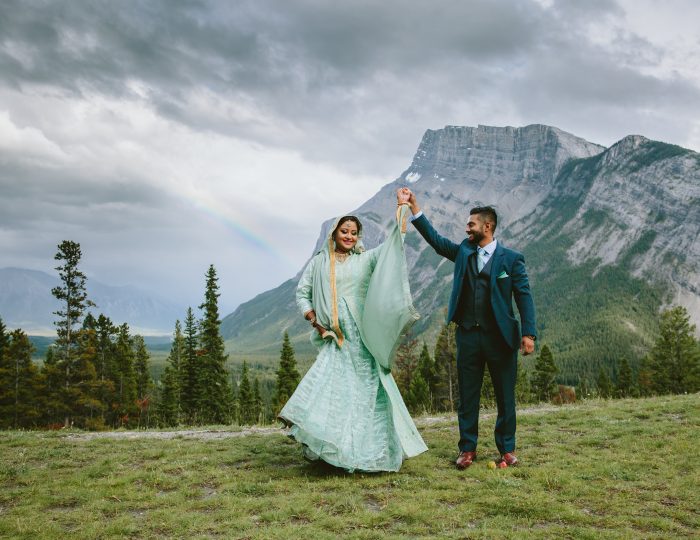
[(508, 281)]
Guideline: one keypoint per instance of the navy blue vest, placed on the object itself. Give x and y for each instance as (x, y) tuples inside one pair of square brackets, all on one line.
[(474, 307)]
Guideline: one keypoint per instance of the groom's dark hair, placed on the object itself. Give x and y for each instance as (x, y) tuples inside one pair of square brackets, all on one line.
[(487, 213)]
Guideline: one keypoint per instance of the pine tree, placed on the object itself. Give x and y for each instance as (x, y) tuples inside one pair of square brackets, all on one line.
[(214, 399), (4, 342), (124, 409), (257, 403), (675, 357), (446, 393), (645, 377), (523, 391), (605, 387), (287, 374), (73, 297), (106, 334), (142, 357), (428, 371), (19, 382), (144, 383), (542, 382), (189, 370), (405, 365), (54, 407), (246, 399), (625, 381), (169, 406), (89, 408), (418, 397)]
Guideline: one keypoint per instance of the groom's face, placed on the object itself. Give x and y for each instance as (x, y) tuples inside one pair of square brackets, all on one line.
[(475, 229)]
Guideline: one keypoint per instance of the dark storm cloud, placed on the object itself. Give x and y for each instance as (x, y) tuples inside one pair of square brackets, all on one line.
[(337, 81), (33, 196)]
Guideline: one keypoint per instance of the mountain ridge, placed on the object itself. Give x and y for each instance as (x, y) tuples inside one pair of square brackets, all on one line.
[(26, 302), (611, 217)]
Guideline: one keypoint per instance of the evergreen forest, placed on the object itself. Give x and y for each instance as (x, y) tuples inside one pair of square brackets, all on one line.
[(97, 374)]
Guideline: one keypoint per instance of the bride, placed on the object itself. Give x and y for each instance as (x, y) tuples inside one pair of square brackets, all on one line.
[(347, 410)]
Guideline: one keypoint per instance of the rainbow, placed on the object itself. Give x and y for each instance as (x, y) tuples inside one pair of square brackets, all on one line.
[(216, 212)]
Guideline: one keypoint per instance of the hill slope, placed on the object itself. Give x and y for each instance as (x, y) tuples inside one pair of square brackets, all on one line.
[(610, 236)]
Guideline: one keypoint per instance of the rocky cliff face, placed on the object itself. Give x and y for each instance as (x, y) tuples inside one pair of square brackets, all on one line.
[(575, 209)]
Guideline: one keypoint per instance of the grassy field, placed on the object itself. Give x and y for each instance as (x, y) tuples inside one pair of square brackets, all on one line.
[(600, 469)]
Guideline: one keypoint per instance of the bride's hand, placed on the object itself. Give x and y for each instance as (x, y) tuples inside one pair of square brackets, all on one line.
[(403, 195)]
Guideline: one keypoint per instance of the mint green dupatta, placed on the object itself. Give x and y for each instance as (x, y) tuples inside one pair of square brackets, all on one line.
[(388, 312)]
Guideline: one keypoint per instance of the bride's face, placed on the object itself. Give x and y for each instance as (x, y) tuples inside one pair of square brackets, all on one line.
[(346, 236)]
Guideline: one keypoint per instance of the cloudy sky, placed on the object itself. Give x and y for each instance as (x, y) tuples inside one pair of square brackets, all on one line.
[(164, 136)]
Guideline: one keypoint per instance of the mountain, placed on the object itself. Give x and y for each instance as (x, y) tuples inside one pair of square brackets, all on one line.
[(26, 302), (610, 236)]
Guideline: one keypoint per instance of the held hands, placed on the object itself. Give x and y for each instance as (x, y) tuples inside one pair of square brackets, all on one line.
[(402, 195), (527, 345), (406, 196)]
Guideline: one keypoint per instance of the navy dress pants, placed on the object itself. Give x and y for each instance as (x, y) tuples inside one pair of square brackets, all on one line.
[(477, 348)]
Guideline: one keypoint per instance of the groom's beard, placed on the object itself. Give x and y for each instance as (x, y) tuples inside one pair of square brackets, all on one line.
[(476, 237)]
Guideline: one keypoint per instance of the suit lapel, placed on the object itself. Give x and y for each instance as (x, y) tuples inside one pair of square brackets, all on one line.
[(497, 264), (470, 259)]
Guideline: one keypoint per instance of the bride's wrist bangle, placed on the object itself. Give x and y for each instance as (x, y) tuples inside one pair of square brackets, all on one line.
[(312, 321)]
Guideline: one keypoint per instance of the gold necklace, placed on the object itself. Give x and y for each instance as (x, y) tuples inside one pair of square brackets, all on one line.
[(340, 256)]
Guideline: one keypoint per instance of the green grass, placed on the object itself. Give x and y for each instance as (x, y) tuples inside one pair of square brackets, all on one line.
[(600, 469)]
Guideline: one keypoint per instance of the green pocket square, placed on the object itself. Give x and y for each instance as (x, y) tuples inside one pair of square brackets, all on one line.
[(502, 275)]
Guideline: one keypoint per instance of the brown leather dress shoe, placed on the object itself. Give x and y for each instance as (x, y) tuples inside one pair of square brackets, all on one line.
[(509, 459), (465, 459)]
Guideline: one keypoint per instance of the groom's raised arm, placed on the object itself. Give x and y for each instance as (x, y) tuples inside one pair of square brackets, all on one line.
[(442, 246)]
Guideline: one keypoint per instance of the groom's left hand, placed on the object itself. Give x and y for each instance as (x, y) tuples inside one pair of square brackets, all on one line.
[(527, 345)]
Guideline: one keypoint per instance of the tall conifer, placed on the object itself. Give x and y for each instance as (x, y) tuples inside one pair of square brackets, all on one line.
[(169, 405), (405, 365), (605, 387), (106, 334), (214, 400), (675, 357), (523, 391), (189, 370), (446, 394), (542, 382), (124, 409), (246, 399), (257, 403), (142, 358), (287, 374), (423, 384), (19, 383), (625, 381), (88, 408), (4, 341), (73, 297)]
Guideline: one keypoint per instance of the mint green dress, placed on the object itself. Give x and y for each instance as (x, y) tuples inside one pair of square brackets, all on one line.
[(347, 410)]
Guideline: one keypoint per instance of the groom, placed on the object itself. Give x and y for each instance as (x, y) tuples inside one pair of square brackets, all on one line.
[(487, 277)]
